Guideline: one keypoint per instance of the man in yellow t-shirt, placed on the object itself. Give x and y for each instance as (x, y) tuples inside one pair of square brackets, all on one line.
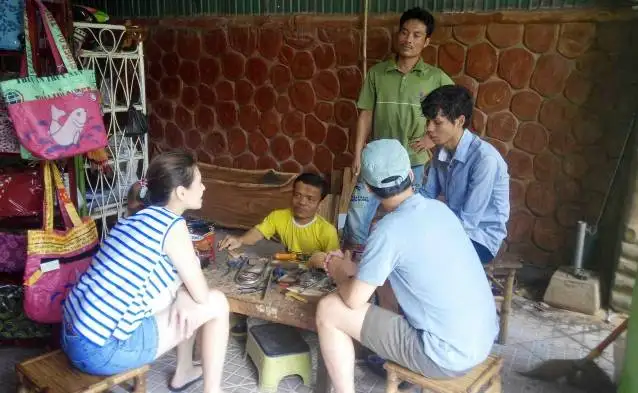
[(299, 227)]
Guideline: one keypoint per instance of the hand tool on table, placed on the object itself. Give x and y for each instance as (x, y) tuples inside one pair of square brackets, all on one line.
[(581, 373), (291, 256), (295, 296), (271, 275), (317, 283), (234, 263)]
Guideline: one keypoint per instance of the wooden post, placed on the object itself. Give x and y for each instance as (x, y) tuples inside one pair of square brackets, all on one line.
[(506, 308)]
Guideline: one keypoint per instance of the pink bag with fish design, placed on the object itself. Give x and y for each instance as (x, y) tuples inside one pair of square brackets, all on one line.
[(55, 116)]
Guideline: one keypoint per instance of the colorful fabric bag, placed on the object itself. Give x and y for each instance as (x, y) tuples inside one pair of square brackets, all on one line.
[(56, 259), (8, 139), (11, 24), (55, 116), (20, 192), (14, 325), (13, 252)]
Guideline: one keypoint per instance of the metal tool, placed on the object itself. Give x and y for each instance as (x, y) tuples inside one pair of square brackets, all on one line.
[(234, 263), (315, 284), (271, 274)]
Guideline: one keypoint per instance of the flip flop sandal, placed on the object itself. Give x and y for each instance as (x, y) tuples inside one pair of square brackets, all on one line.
[(186, 385)]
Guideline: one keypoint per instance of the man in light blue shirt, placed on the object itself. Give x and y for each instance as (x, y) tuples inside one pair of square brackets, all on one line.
[(467, 172), (422, 249)]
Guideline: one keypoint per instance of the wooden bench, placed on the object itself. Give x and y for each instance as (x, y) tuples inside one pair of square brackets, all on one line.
[(484, 378), (53, 373), (506, 265)]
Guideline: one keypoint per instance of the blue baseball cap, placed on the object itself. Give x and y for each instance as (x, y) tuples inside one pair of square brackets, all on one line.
[(385, 163)]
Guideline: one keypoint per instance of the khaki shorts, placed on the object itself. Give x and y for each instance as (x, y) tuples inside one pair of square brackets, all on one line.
[(391, 337)]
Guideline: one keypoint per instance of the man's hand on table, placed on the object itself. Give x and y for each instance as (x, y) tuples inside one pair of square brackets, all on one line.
[(230, 243), (339, 266)]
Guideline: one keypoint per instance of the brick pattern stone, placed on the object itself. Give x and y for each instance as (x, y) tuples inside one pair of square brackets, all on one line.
[(265, 96)]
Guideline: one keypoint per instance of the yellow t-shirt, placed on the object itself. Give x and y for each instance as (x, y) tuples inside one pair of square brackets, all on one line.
[(318, 235)]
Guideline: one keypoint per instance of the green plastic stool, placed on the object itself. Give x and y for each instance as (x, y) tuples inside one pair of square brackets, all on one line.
[(278, 351)]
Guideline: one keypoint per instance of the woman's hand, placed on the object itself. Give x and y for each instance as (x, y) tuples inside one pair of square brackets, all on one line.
[(182, 310)]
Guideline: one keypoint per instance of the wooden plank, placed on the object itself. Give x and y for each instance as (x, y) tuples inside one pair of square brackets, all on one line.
[(327, 207), (238, 198), (348, 184)]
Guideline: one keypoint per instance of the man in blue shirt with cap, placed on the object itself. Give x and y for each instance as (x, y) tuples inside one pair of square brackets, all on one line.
[(469, 173), (422, 249)]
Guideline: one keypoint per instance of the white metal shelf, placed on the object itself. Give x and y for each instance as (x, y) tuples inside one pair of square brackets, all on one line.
[(120, 77)]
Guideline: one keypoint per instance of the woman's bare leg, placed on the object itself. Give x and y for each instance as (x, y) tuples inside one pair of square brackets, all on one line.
[(214, 342), (185, 370), (212, 318)]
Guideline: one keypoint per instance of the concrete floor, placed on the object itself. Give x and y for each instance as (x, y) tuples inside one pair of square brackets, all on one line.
[(535, 335)]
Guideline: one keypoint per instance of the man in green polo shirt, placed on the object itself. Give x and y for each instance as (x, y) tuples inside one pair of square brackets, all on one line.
[(390, 108)]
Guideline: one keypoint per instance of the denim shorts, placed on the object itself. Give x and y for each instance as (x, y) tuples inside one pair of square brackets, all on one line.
[(115, 356)]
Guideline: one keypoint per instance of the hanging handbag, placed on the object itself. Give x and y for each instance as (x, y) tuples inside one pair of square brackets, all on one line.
[(9, 142), (56, 259), (8, 139), (20, 192), (136, 124), (11, 24), (55, 116), (13, 323), (13, 252)]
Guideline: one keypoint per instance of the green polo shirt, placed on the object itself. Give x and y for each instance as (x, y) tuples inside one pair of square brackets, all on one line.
[(396, 98)]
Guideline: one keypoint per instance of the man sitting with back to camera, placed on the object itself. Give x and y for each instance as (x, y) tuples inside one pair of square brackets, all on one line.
[(300, 228), (422, 249)]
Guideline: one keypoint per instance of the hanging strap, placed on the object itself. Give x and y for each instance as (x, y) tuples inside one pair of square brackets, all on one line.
[(69, 213), (27, 46), (59, 46)]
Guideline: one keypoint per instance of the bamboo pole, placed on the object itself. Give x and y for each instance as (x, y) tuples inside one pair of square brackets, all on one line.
[(365, 38)]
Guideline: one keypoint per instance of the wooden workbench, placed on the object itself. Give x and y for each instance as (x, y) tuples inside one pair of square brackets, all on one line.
[(274, 308)]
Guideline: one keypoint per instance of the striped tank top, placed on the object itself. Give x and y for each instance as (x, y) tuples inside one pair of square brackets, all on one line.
[(127, 276)]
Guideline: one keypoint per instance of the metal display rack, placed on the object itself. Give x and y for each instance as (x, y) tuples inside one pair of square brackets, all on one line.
[(116, 53)]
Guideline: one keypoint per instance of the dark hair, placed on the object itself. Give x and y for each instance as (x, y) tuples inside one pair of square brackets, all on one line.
[(166, 172), (133, 200), (385, 193), (419, 13), (450, 101), (315, 180)]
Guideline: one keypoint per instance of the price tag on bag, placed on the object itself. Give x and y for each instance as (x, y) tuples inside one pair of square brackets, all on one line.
[(50, 266)]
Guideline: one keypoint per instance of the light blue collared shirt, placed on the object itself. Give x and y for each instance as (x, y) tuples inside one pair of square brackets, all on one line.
[(475, 184)]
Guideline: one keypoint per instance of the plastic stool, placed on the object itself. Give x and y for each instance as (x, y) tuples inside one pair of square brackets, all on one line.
[(278, 351)]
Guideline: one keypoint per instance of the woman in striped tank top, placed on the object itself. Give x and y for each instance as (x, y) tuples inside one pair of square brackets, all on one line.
[(144, 283)]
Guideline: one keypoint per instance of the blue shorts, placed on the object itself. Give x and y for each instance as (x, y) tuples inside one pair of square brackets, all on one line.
[(363, 208), (115, 356)]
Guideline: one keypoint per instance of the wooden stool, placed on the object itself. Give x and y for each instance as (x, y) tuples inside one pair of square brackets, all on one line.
[(484, 378), (508, 265), (53, 373)]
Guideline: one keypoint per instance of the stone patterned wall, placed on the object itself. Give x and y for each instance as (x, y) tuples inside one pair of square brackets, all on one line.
[(554, 98)]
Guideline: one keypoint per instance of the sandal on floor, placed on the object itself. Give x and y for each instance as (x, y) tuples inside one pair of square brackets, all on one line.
[(186, 385)]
